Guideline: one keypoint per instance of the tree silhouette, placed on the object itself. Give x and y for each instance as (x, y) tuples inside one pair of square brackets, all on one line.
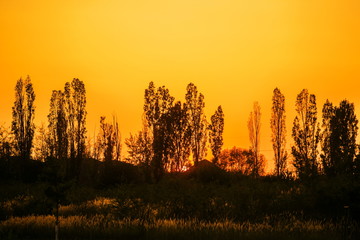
[(23, 117), (7, 147), (75, 103), (41, 144), (197, 122), (109, 140), (177, 137), (139, 148), (216, 130), (58, 124), (157, 103), (327, 115), (306, 133), (343, 135), (240, 160), (254, 126), (278, 129), (235, 159)]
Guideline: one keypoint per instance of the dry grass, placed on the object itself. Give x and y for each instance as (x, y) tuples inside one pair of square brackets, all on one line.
[(108, 227)]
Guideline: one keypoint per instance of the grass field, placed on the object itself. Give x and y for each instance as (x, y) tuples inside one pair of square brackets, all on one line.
[(180, 209), (108, 227)]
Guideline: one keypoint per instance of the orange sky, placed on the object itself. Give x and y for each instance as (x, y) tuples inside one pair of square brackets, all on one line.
[(236, 52)]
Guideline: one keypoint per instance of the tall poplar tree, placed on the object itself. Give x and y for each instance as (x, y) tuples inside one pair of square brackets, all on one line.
[(327, 115), (278, 129), (23, 111), (75, 115), (306, 135), (254, 126), (197, 122), (157, 104), (58, 137)]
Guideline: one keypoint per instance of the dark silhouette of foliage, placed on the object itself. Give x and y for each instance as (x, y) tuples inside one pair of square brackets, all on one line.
[(204, 193), (235, 160), (41, 144), (197, 122), (58, 124), (139, 148), (306, 135), (7, 147), (341, 140), (157, 103), (23, 112), (67, 126), (207, 172), (177, 137), (75, 103), (278, 129), (254, 126), (327, 115), (216, 131), (109, 140), (240, 160)]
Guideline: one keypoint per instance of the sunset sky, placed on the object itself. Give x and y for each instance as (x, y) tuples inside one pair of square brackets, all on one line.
[(236, 52)]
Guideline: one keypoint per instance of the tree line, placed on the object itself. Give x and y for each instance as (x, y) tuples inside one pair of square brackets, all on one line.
[(175, 135)]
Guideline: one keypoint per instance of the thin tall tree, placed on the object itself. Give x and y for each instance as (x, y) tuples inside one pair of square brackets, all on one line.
[(254, 126), (197, 122), (75, 115), (327, 115), (23, 111), (278, 129), (306, 135), (58, 138)]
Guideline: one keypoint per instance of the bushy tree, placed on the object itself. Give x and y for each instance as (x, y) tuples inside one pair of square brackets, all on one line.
[(216, 133), (306, 135), (139, 148), (7, 146), (157, 104), (239, 160), (177, 137), (343, 135), (23, 111), (109, 140)]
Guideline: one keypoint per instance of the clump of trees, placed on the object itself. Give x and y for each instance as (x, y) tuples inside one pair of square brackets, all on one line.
[(240, 160), (176, 135), (173, 132)]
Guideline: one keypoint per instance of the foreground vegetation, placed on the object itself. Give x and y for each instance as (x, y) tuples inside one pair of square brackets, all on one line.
[(192, 205), (109, 227)]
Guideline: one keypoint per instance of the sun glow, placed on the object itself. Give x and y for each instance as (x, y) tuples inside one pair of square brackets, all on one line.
[(236, 52)]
